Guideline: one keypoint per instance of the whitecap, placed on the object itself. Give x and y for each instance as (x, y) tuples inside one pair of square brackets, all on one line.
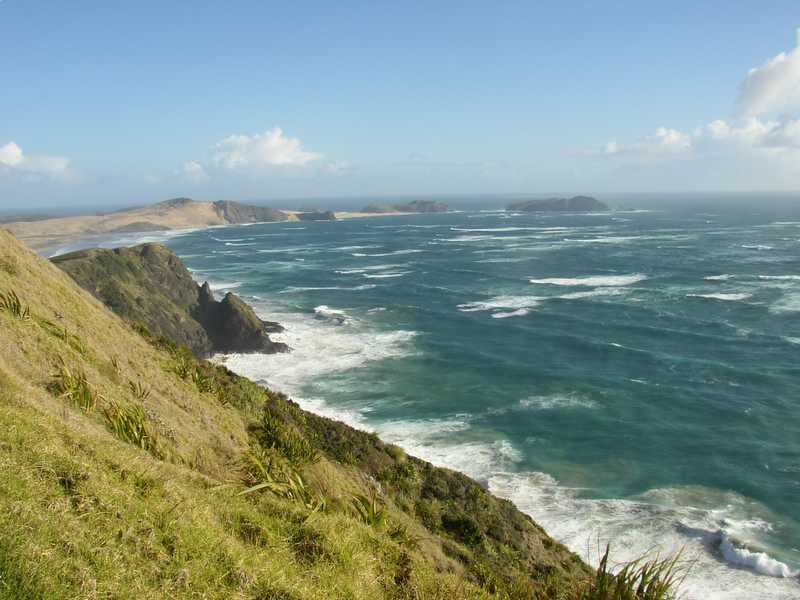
[(386, 275), (722, 296), (520, 312), (224, 285), (357, 288), (394, 253), (757, 247), (594, 280), (506, 302), (325, 312), (557, 401), (724, 277)]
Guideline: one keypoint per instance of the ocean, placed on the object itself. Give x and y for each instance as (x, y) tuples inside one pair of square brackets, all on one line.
[(628, 377)]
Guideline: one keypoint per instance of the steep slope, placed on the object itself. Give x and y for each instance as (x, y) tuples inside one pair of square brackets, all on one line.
[(149, 284), (123, 460)]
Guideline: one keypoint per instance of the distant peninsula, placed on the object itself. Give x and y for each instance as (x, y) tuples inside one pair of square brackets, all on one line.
[(176, 213), (416, 206), (574, 204)]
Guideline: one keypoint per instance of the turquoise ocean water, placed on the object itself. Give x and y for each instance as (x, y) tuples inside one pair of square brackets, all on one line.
[(630, 377)]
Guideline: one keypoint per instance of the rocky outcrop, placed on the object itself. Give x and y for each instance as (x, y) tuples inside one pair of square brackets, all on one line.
[(416, 206), (236, 212), (574, 204), (233, 325), (316, 215), (149, 284)]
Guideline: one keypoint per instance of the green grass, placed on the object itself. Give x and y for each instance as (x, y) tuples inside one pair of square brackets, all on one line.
[(369, 509), (10, 303), (137, 389), (73, 385), (129, 423)]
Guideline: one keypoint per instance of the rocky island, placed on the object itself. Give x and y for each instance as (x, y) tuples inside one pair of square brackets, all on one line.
[(416, 206), (574, 204)]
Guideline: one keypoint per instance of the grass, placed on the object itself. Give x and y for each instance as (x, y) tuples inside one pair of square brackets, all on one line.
[(642, 579), (73, 385), (129, 423), (369, 510), (137, 389), (10, 303)]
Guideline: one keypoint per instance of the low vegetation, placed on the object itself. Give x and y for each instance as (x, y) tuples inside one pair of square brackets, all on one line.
[(136, 470)]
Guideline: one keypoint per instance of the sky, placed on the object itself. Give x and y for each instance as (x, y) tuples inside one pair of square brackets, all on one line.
[(117, 103)]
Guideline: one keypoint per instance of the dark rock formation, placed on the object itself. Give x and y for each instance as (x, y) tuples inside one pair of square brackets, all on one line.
[(316, 215), (416, 206), (149, 284), (233, 325), (236, 212), (574, 204)]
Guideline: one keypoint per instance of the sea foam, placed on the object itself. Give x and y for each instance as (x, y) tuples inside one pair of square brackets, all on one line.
[(594, 280)]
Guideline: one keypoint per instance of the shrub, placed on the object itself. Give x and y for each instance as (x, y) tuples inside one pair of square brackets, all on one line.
[(139, 391), (268, 474), (274, 433), (638, 580), (370, 510), (73, 385), (129, 424), (10, 303)]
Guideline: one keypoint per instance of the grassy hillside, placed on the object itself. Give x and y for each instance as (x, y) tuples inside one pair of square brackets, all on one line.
[(130, 469)]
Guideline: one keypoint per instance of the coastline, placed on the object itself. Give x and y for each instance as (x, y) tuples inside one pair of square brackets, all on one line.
[(509, 487)]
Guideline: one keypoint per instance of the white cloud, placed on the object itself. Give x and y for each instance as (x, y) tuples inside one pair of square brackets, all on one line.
[(194, 172), (750, 135), (271, 148), (339, 167), (664, 142), (10, 154), (13, 159), (774, 86)]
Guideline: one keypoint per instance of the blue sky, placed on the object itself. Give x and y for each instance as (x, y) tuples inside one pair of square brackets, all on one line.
[(117, 103)]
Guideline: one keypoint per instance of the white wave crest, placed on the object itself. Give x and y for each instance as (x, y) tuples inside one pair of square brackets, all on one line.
[(594, 280), (724, 277), (721, 296), (555, 401), (393, 253), (325, 312), (760, 562), (520, 312)]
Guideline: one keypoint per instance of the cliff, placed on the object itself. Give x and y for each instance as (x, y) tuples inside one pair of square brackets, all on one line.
[(149, 284), (132, 469), (574, 204)]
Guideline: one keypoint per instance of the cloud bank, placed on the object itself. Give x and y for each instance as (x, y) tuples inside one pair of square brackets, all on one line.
[(755, 130)]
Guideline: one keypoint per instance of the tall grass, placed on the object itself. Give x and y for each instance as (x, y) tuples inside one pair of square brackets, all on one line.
[(138, 390), (369, 510), (129, 423), (642, 579), (10, 303), (276, 434), (270, 475), (73, 385)]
